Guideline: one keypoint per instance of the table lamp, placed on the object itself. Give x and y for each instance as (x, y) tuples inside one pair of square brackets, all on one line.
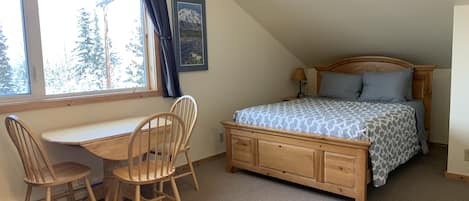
[(299, 75)]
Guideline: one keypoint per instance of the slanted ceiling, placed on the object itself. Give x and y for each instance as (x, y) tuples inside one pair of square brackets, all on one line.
[(321, 31)]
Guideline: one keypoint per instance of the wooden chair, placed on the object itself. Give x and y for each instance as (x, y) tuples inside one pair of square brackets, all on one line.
[(164, 132), (186, 108), (37, 166)]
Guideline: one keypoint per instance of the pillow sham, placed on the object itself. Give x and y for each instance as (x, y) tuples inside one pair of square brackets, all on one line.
[(389, 87), (409, 72), (340, 85)]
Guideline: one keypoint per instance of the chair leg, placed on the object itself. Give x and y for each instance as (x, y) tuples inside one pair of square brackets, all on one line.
[(175, 189), (48, 194), (117, 192), (137, 193), (89, 189), (194, 177), (71, 193), (28, 192), (161, 185), (154, 190)]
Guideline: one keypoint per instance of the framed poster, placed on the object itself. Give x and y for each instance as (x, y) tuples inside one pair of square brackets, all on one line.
[(190, 33)]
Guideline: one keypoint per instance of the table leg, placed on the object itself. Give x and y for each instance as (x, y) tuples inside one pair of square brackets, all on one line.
[(110, 183)]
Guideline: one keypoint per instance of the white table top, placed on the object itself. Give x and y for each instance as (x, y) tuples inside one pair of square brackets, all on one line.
[(79, 135)]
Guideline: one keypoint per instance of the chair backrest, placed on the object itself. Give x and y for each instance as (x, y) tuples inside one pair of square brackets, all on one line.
[(163, 132), (186, 108), (36, 164)]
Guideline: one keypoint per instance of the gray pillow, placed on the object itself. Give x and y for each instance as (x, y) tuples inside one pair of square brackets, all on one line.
[(339, 85), (409, 73), (389, 87)]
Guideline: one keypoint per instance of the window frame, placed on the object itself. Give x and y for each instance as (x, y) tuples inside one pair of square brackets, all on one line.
[(37, 99)]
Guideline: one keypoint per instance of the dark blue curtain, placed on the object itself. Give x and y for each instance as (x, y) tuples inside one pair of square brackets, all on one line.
[(158, 10)]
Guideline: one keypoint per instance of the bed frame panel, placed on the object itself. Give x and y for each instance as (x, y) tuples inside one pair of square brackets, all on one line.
[(331, 164)]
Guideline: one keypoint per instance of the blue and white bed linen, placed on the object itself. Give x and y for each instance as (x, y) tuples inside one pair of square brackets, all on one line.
[(391, 128)]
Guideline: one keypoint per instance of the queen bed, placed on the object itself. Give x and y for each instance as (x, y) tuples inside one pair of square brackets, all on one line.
[(336, 145)]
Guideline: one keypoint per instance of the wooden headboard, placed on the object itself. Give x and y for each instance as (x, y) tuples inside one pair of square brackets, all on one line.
[(422, 83)]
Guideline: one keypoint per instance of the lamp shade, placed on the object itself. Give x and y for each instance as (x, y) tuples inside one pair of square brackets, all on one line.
[(299, 74)]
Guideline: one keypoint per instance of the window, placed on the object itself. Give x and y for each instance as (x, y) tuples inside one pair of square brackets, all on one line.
[(74, 48), (14, 73)]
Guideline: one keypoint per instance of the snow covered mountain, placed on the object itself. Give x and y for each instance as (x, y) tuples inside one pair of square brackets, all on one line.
[(189, 16)]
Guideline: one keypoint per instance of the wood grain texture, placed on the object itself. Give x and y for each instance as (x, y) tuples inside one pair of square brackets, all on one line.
[(243, 149), (458, 177), (39, 171), (339, 169), (332, 164), (108, 140), (144, 168), (72, 101), (300, 158), (186, 108), (283, 157), (94, 132), (110, 149)]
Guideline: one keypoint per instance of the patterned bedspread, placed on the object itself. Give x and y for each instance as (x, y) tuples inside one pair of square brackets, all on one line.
[(391, 128)]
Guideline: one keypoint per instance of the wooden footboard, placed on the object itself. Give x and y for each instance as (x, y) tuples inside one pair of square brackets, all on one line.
[(330, 164)]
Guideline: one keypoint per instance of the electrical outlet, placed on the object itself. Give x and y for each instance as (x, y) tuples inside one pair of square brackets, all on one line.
[(466, 155)]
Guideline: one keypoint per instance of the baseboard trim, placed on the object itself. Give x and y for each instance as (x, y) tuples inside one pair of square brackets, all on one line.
[(184, 168), (456, 177)]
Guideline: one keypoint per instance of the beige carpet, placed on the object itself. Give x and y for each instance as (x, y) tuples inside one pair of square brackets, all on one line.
[(421, 178)]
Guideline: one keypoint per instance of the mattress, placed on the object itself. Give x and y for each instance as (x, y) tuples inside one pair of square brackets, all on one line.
[(390, 127)]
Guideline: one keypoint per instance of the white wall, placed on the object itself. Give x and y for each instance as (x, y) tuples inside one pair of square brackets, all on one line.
[(440, 105), (322, 31), (459, 112), (247, 66)]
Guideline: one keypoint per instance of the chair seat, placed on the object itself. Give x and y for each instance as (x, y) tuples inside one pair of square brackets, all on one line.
[(65, 172), (147, 173)]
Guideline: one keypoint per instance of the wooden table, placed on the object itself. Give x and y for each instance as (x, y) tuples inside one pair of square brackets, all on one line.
[(107, 140)]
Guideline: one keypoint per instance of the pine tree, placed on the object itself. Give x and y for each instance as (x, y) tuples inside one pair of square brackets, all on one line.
[(115, 67), (136, 69), (83, 52), (55, 80), (6, 84), (115, 59), (99, 59), (21, 78), (89, 53)]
